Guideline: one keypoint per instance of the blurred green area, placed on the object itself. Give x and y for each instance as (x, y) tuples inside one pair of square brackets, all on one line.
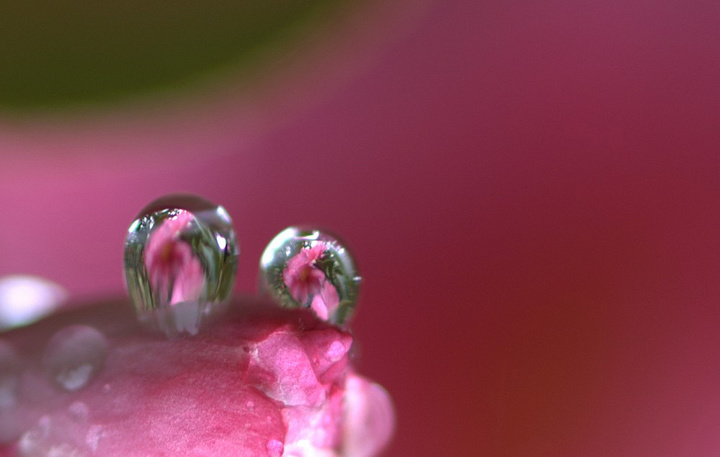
[(58, 53)]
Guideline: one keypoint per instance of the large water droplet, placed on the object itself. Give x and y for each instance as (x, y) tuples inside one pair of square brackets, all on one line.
[(180, 262), (308, 268), (74, 356)]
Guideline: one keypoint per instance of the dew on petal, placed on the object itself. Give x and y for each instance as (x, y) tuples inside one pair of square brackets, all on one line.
[(75, 355), (94, 434), (308, 268), (180, 262), (78, 411), (275, 448), (26, 299), (34, 441), (336, 351)]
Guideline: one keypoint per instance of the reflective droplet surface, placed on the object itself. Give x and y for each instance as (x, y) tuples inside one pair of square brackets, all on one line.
[(180, 262), (75, 355), (308, 268)]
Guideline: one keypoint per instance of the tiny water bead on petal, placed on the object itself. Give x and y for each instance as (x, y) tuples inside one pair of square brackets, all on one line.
[(180, 262), (308, 268), (75, 355)]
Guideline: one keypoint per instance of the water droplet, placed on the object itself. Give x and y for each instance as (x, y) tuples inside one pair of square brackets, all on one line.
[(78, 411), (94, 434), (275, 448), (33, 441), (307, 268), (74, 356), (50, 437), (336, 351), (26, 299), (180, 262)]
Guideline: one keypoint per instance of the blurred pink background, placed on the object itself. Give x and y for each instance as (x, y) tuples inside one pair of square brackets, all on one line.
[(531, 190)]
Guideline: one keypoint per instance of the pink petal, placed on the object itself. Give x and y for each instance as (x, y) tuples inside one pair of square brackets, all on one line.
[(370, 418), (265, 381)]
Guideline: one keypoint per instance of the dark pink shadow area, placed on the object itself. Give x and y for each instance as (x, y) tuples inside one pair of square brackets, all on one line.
[(531, 191)]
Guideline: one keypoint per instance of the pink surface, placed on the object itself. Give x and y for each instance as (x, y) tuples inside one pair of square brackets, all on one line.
[(263, 382), (531, 191)]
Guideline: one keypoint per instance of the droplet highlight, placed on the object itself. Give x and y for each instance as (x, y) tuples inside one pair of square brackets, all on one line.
[(308, 268), (74, 356), (181, 257)]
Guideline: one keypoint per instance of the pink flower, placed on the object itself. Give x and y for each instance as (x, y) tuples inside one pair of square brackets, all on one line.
[(173, 269), (306, 281)]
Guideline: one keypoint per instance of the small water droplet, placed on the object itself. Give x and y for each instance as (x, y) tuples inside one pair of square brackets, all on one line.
[(308, 268), (275, 448), (48, 439), (78, 411), (180, 261), (74, 356), (32, 442), (63, 450), (336, 351), (94, 434)]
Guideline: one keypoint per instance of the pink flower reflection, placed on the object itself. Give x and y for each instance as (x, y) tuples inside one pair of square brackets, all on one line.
[(326, 302), (173, 269), (305, 280)]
